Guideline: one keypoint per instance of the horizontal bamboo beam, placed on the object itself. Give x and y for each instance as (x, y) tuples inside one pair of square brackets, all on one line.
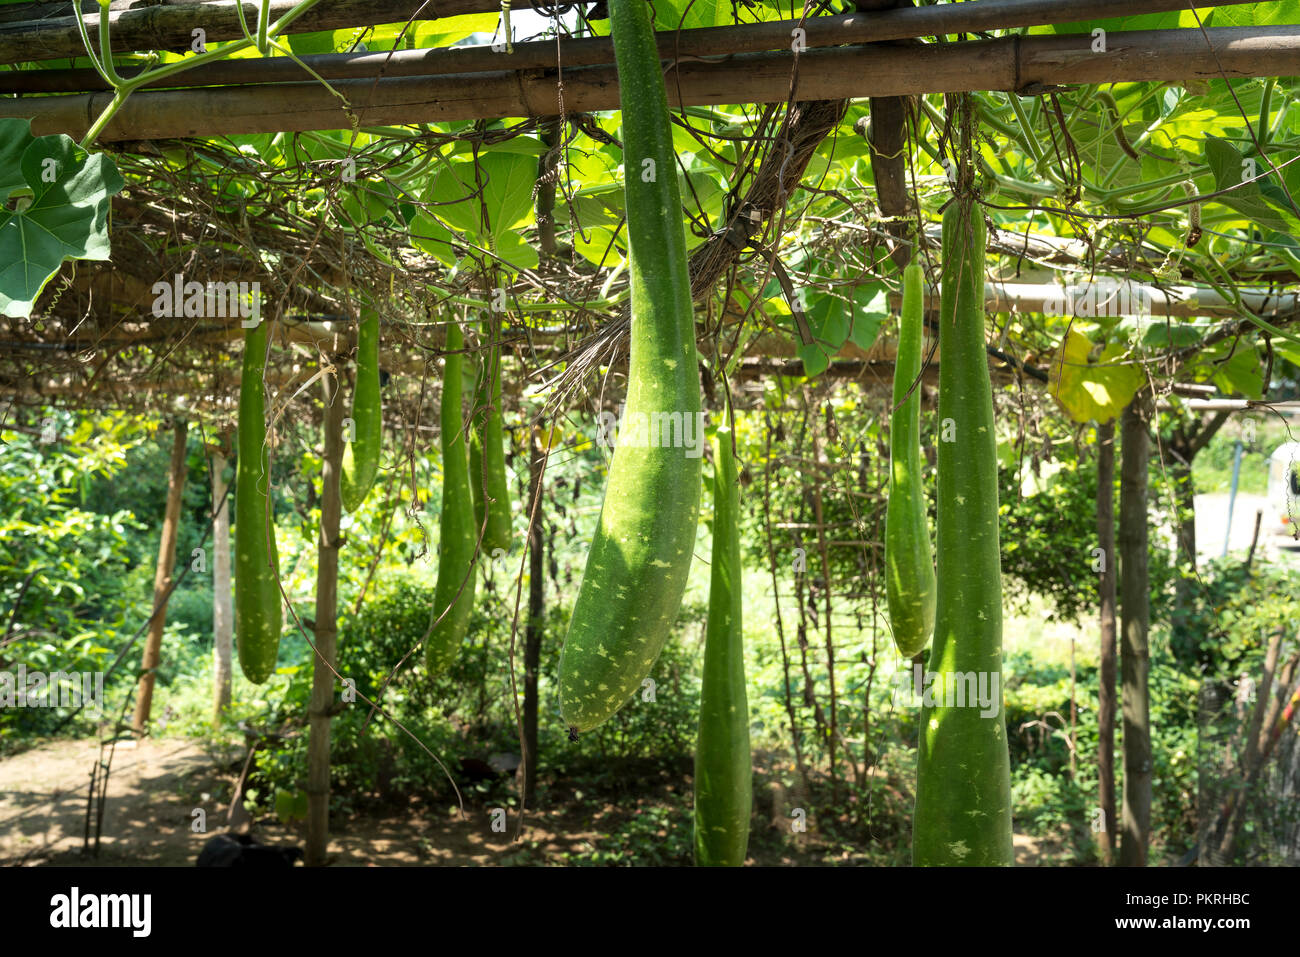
[(874, 374), (1236, 405), (47, 31), (44, 31), (1104, 296), (905, 23), (1025, 64), (776, 349)]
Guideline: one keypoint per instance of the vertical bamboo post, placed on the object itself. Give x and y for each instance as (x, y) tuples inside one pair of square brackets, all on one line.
[(1107, 601), (321, 708), (222, 607), (1135, 609), (536, 609), (162, 576)]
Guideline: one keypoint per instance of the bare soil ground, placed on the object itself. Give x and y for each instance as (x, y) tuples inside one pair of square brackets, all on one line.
[(157, 785)]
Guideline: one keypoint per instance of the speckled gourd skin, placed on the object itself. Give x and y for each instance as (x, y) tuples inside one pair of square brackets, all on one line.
[(641, 552), (963, 790), (909, 562), (259, 615), (723, 763), (361, 455), (457, 529)]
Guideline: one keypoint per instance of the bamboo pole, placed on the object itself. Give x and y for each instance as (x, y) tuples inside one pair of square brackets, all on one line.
[(162, 577), (1240, 405), (1135, 626), (535, 630), (1104, 296), (590, 51), (222, 608), (340, 337), (1023, 64), (321, 709), (1106, 689), (46, 31), (38, 31)]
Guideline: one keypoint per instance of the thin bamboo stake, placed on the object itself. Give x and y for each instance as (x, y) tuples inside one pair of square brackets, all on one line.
[(795, 732)]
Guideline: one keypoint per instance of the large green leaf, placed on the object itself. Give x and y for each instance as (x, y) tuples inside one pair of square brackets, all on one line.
[(842, 315), (324, 41), (1240, 374), (1162, 333), (55, 207), (1272, 12), (1145, 21), (1261, 201), (506, 180), (450, 31)]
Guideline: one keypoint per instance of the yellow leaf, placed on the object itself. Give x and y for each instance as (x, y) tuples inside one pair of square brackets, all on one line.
[(1087, 390)]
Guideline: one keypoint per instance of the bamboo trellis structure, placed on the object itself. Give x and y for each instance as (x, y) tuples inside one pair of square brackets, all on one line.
[(45, 30), (873, 53), (1014, 64)]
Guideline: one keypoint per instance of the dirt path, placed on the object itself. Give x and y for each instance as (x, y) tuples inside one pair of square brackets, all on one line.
[(43, 796), (156, 785)]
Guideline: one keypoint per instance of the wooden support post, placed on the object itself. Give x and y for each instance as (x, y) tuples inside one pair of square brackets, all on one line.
[(326, 637), (536, 628), (1106, 687), (1135, 610), (162, 579), (222, 607)]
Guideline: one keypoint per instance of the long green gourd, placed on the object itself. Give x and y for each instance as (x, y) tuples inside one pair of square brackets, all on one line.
[(259, 615), (641, 553), (458, 534), (963, 789), (487, 440), (909, 562), (361, 455), (723, 764)]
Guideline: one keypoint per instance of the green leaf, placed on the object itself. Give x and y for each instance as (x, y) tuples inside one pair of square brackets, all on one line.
[(836, 318), (1230, 167), (815, 358), (506, 181), (1173, 334), (290, 805), (517, 251), (1288, 351), (430, 236), (597, 245), (324, 41), (1146, 21), (55, 207), (870, 308), (1283, 12), (1241, 374), (450, 31)]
